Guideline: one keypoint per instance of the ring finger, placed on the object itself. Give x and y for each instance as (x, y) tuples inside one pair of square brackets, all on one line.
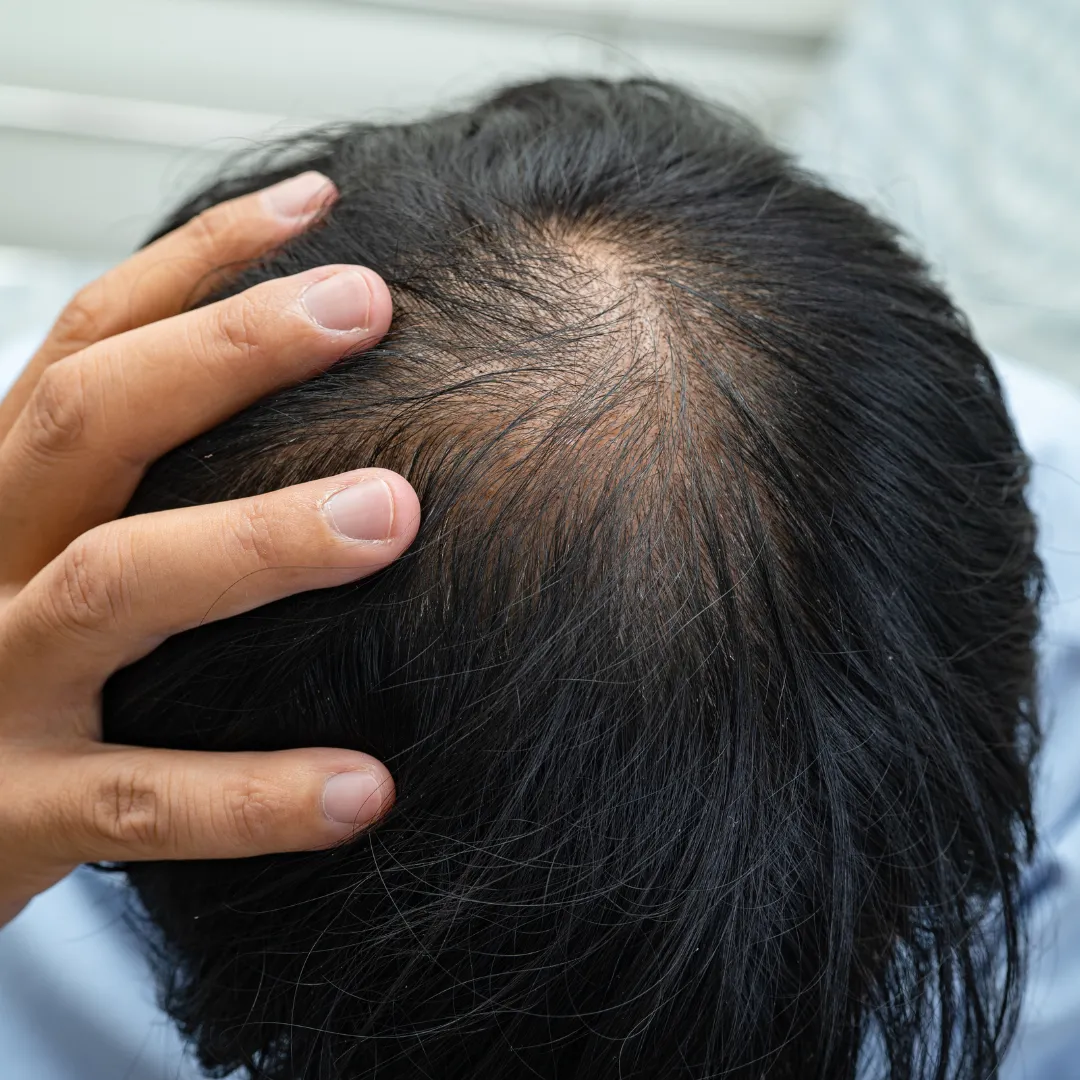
[(121, 589)]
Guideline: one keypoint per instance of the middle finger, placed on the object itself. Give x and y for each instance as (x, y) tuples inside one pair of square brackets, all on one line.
[(97, 419), (120, 590)]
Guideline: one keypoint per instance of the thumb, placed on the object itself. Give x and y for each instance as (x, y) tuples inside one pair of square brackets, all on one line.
[(116, 803)]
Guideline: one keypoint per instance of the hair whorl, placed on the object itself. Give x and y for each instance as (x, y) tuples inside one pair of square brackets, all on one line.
[(708, 684)]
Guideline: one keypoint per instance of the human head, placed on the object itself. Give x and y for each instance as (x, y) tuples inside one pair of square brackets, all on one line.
[(707, 684)]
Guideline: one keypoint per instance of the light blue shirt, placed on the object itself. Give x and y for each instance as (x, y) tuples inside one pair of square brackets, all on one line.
[(77, 999)]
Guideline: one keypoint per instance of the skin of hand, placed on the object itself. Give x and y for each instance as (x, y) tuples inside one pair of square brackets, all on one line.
[(126, 373)]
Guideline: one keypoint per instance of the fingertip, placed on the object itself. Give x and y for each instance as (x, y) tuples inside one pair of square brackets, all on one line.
[(346, 299), (357, 798), (374, 506), (300, 198)]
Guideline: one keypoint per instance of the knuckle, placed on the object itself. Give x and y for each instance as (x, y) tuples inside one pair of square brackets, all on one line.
[(210, 229), (249, 815), (58, 408), (128, 810), (256, 535), (137, 808), (86, 318), (239, 324), (93, 587)]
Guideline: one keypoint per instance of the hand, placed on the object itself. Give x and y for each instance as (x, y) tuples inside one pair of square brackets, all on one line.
[(125, 375)]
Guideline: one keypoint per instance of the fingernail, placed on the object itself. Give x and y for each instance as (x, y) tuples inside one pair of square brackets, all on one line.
[(300, 196), (352, 798), (339, 302), (364, 511)]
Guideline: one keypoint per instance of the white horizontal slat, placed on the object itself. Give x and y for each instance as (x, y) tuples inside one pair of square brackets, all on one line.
[(93, 197), (337, 58), (310, 59), (107, 107), (790, 18), (158, 123)]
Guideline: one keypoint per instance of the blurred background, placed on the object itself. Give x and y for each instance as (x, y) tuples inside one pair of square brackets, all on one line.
[(960, 119)]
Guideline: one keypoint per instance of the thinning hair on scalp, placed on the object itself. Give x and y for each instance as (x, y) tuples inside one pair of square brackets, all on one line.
[(708, 682)]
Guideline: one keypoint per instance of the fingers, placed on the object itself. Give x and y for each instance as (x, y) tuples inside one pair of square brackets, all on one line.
[(118, 591), (96, 419), (171, 274), (114, 803)]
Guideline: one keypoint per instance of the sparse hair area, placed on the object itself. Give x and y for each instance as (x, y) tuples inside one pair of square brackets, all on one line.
[(708, 684)]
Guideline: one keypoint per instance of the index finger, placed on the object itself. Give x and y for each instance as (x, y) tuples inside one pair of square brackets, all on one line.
[(175, 271)]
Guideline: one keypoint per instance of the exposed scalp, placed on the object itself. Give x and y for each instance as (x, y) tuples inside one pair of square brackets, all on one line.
[(708, 684)]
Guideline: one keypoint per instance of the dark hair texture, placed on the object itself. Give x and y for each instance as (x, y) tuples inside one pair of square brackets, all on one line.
[(708, 682)]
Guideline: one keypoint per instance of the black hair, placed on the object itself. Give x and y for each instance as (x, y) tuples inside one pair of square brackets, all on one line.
[(708, 683)]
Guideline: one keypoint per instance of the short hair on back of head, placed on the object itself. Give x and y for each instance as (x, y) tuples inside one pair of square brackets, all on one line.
[(708, 683)]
